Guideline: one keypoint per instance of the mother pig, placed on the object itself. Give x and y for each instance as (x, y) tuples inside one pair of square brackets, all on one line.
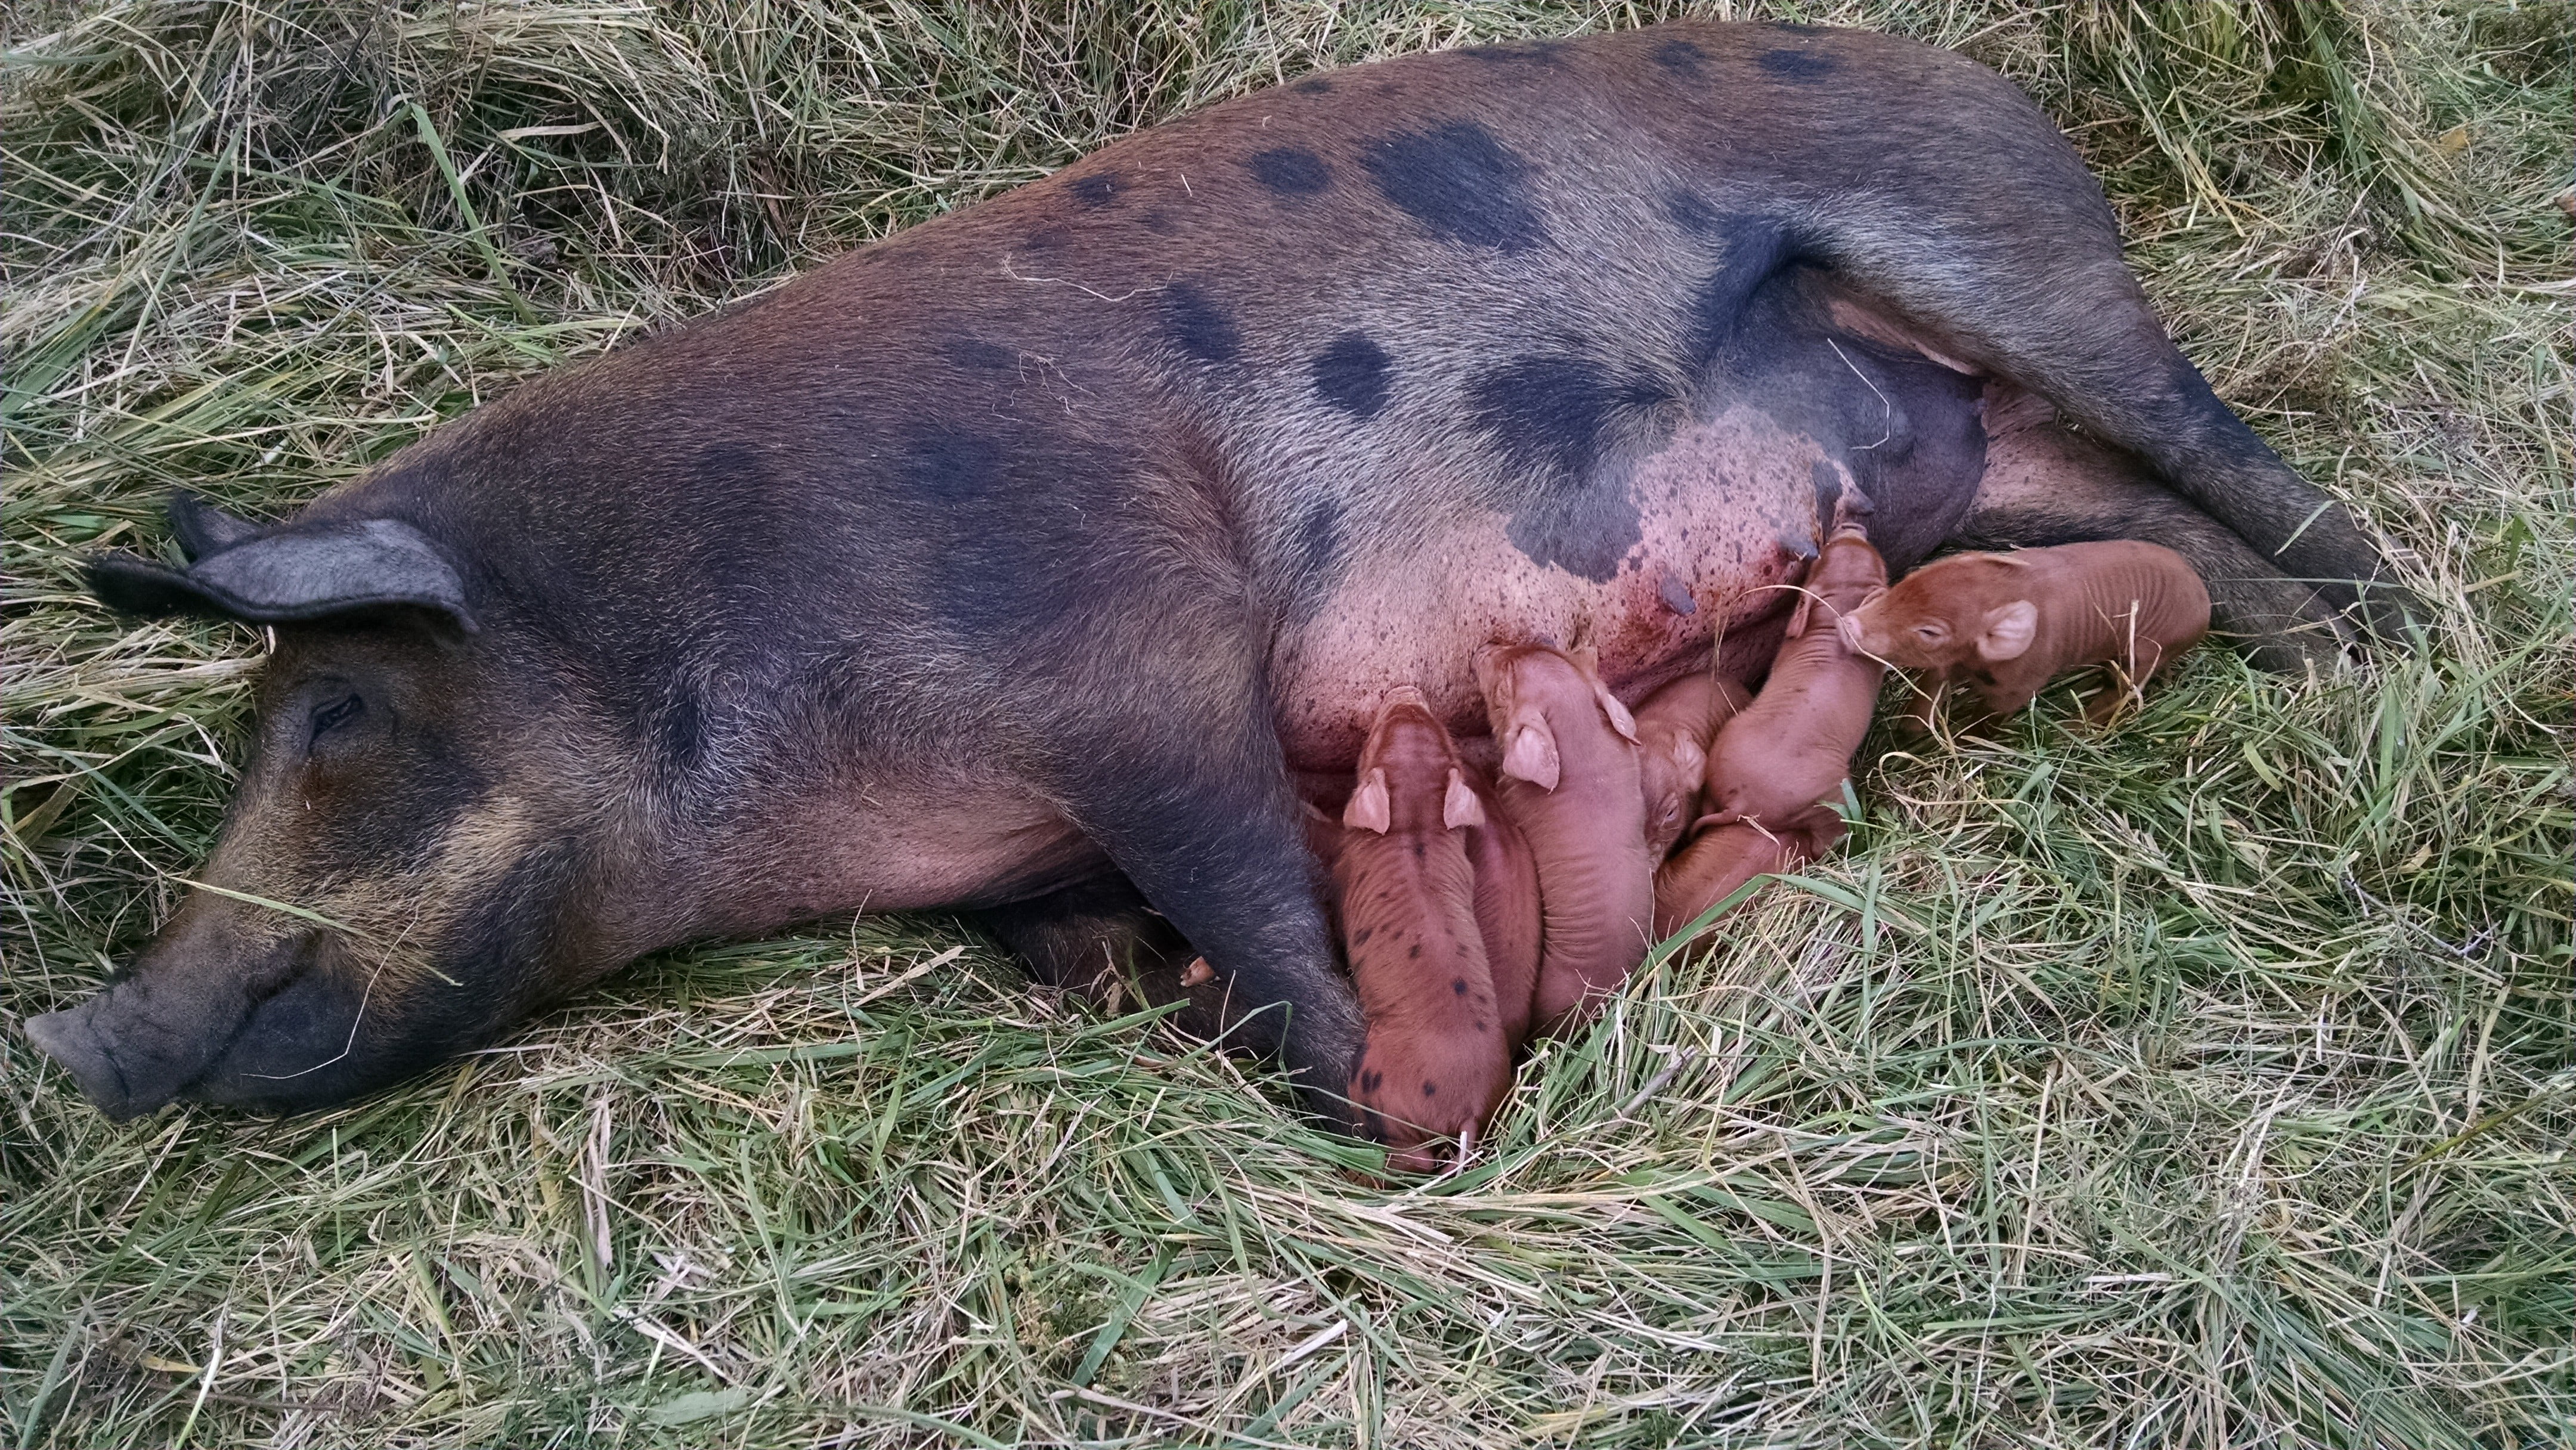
[(1021, 562)]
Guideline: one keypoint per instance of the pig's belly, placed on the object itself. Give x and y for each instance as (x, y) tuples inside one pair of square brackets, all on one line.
[(1728, 515)]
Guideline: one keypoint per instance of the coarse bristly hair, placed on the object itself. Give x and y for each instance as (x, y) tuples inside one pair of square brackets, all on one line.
[(2207, 1081)]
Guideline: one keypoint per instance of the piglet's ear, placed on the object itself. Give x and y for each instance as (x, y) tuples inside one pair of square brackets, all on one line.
[(1621, 718), (2008, 632), (1798, 616), (1529, 752), (1460, 806), (1587, 658), (1369, 809)]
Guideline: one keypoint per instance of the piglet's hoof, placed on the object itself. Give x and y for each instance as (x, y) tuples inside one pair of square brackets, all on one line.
[(1197, 973)]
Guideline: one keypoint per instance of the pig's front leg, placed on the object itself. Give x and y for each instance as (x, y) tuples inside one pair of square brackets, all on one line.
[(1191, 799)]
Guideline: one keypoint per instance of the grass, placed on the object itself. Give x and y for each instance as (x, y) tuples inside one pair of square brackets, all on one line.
[(2206, 1083)]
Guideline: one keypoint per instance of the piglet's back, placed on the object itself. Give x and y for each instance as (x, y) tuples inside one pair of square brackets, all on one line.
[(1437, 1059), (1570, 782), (2110, 599)]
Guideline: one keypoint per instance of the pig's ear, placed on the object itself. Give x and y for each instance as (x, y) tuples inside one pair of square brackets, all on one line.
[(1798, 616), (1369, 809), (2008, 631), (1460, 806), (1621, 718), (1529, 751), (289, 575), (205, 529), (1587, 658)]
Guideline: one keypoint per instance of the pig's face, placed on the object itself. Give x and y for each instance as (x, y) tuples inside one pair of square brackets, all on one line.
[(1969, 611), (398, 880), (1410, 780)]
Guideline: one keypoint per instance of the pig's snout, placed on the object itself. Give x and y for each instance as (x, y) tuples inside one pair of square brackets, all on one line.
[(137, 1045), (178, 1026)]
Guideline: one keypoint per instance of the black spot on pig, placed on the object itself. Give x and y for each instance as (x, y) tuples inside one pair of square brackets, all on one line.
[(1319, 545), (1429, 1088), (952, 467), (1313, 86), (1353, 375), (1291, 170), (1804, 67), (1046, 237), (1552, 418), (680, 730), (974, 352), (1461, 183), (1680, 57), (1756, 248), (1587, 531), (994, 575), (1096, 190), (1549, 414), (1458, 985), (1536, 52), (1199, 326)]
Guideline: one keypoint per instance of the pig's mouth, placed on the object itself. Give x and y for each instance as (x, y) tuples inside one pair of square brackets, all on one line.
[(180, 1029)]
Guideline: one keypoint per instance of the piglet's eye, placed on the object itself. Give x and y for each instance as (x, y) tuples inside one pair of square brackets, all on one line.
[(332, 716)]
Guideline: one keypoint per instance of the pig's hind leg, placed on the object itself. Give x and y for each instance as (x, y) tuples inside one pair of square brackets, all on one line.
[(2045, 484), (2009, 259)]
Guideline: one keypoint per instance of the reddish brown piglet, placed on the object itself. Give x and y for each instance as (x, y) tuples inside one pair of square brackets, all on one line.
[(1436, 1062), (1674, 728), (1570, 782), (1718, 859), (2004, 625), (1506, 901), (1774, 768), (1791, 747), (1507, 914)]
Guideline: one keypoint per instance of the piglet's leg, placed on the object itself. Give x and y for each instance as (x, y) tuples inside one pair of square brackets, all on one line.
[(1925, 691)]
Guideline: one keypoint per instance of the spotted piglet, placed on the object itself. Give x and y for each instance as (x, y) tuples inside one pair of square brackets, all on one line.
[(1437, 1060), (1775, 770), (1571, 783)]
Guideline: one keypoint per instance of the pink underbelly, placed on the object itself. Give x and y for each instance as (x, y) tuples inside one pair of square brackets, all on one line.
[(1727, 516)]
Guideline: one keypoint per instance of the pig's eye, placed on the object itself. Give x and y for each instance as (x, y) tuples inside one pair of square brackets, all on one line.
[(1928, 631), (331, 717)]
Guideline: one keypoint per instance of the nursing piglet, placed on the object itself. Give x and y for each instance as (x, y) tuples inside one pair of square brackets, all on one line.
[(1570, 782), (1436, 1061), (2004, 625), (1674, 728), (1774, 768), (1790, 749)]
